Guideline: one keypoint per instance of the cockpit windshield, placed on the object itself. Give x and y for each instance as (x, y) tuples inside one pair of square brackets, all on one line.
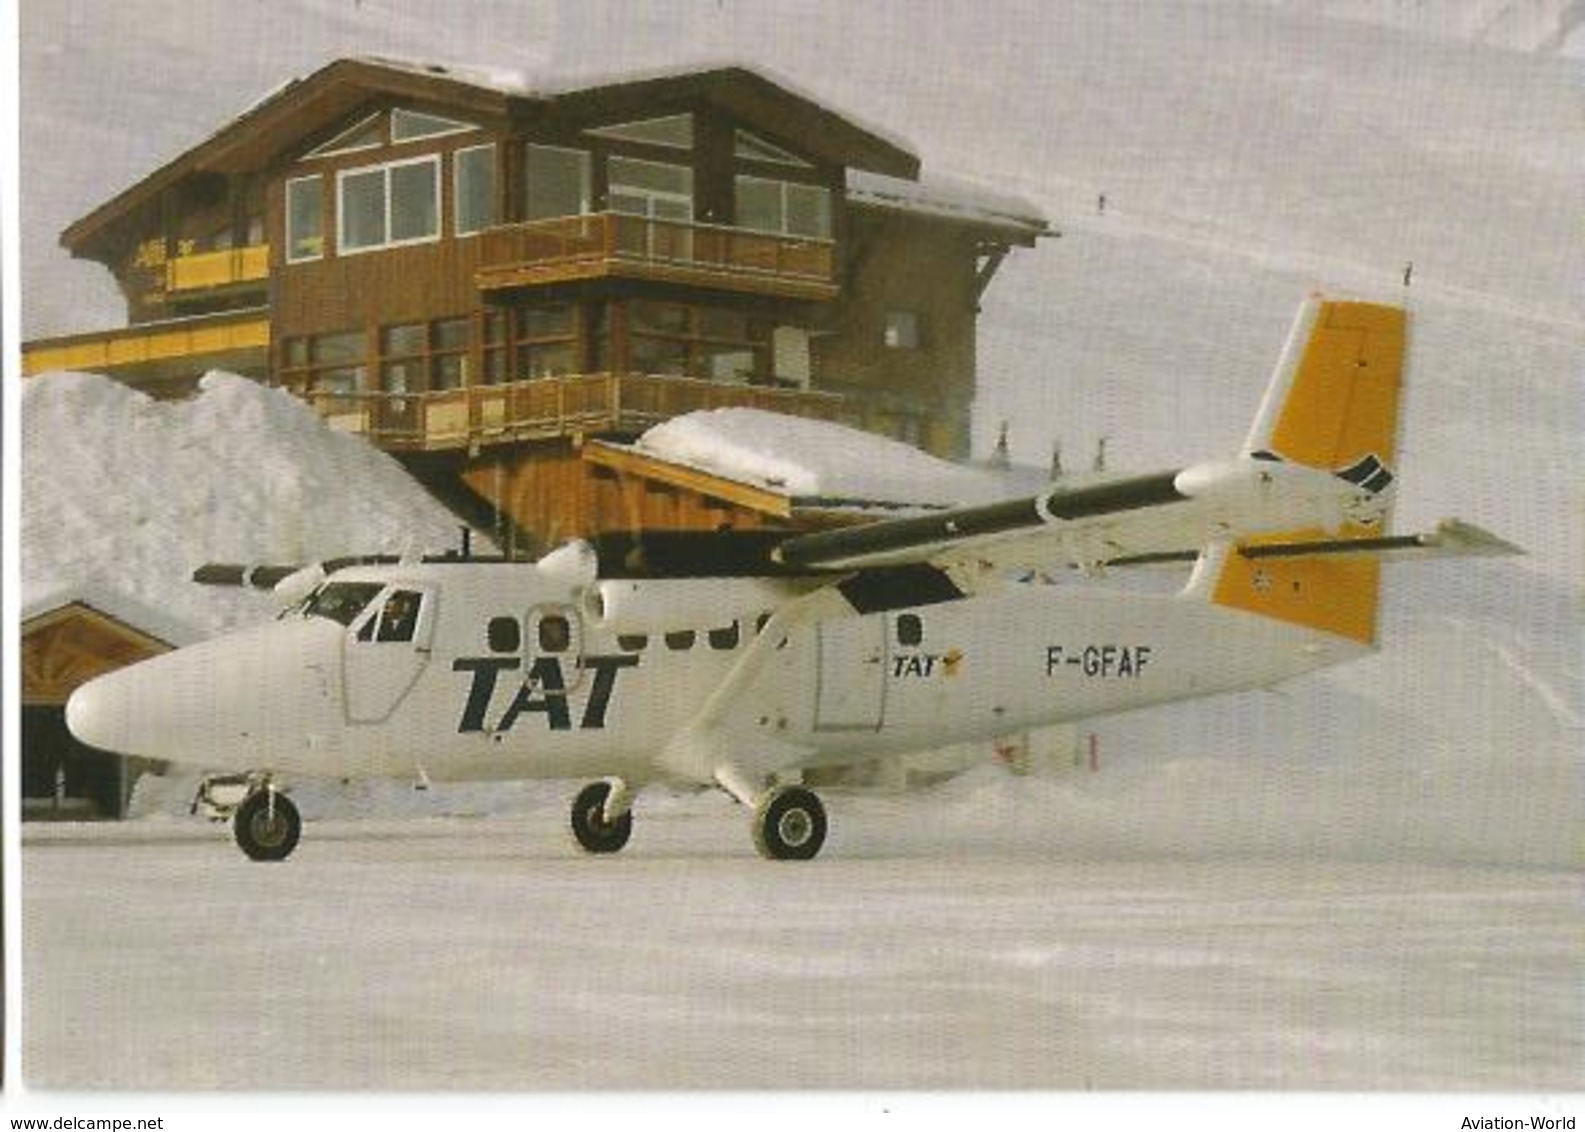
[(340, 601)]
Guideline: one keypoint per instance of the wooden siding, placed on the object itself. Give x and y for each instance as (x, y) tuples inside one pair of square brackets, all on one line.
[(554, 491), (67, 647), (904, 263)]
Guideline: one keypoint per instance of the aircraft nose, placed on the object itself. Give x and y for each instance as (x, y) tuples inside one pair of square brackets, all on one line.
[(99, 714)]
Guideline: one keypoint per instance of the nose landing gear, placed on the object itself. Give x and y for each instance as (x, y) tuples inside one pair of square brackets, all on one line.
[(267, 825), (599, 826)]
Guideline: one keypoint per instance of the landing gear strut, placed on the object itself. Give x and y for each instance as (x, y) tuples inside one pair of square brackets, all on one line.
[(594, 830), (789, 824), (267, 825)]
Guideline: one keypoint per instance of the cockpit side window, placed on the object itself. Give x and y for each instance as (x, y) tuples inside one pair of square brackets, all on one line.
[(399, 618), (340, 602)]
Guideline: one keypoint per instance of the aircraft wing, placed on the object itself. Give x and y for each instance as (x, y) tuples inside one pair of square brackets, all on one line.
[(1128, 520)]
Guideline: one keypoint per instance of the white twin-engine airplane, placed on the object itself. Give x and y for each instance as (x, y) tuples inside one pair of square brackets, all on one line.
[(738, 659)]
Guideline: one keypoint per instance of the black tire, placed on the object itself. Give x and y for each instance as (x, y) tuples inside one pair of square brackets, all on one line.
[(789, 825), (267, 826), (589, 826)]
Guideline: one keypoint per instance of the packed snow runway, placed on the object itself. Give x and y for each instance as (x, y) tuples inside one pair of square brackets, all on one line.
[(485, 953)]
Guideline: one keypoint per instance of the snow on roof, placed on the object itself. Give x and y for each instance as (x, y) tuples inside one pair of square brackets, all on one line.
[(820, 462), (122, 496), (546, 83), (947, 197)]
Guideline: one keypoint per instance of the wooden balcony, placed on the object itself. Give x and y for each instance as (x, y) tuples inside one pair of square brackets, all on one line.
[(208, 271), (483, 415), (612, 245)]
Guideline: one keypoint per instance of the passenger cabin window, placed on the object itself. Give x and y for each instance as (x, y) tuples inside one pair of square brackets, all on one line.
[(726, 639), (910, 631), (504, 634), (680, 641), (632, 642), (555, 633)]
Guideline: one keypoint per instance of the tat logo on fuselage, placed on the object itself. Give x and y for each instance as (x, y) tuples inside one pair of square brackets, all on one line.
[(543, 692)]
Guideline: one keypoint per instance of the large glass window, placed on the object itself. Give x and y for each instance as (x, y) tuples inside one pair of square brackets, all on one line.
[(678, 339), (784, 207), (386, 205), (421, 356), (524, 343), (674, 130), (305, 219), (651, 188), (475, 188), (557, 182)]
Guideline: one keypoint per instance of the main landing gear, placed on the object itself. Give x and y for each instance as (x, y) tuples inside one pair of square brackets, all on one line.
[(789, 822)]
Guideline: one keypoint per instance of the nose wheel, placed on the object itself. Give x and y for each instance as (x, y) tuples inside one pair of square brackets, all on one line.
[(594, 831), (267, 825)]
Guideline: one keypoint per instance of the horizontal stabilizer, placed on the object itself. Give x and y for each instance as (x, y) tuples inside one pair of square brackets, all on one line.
[(1453, 538)]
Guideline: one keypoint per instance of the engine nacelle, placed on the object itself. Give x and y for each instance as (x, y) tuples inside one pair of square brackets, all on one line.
[(645, 605)]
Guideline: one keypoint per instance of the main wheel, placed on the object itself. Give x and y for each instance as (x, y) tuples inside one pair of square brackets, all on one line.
[(789, 825), (267, 825), (589, 826)]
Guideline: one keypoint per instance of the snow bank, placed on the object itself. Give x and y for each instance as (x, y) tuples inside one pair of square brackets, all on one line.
[(126, 493), (820, 460)]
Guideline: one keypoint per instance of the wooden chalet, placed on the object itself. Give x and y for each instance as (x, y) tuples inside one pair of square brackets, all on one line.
[(480, 278), (68, 638)]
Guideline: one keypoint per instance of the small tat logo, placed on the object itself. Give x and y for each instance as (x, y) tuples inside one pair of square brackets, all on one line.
[(1369, 473)]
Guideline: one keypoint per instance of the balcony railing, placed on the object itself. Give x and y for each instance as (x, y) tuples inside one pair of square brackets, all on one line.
[(613, 244), (226, 268), (548, 407)]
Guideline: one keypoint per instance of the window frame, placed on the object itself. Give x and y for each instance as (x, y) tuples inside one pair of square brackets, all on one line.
[(317, 181), (457, 196), (783, 186), (385, 168), (585, 180)]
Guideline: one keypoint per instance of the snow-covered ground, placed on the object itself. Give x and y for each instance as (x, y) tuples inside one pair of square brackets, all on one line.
[(927, 949)]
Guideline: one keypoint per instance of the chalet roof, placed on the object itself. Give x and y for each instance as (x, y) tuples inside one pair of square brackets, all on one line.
[(945, 198), (303, 107), (105, 598)]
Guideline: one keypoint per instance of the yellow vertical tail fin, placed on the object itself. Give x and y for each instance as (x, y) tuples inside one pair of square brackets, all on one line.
[(1333, 404)]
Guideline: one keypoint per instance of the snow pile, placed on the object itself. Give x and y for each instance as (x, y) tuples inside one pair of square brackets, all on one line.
[(811, 460), (124, 493)]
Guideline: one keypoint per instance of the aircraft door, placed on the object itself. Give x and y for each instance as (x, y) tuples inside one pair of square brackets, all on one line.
[(385, 651), (850, 684)]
